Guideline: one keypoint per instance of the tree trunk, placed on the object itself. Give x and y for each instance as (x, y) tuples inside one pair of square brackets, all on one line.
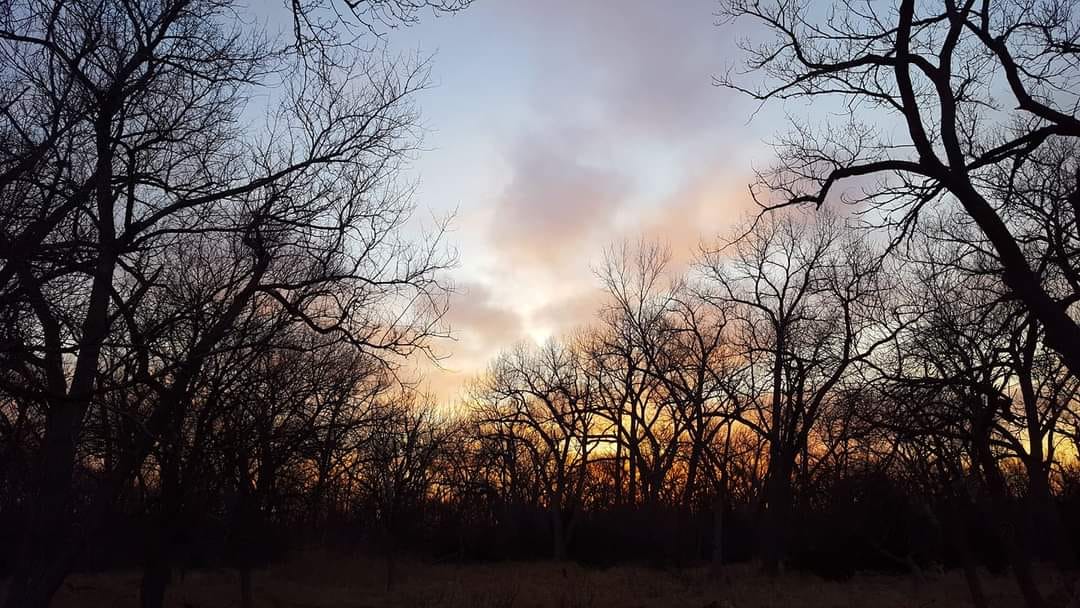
[(157, 574), (1046, 518), (52, 544), (50, 547), (974, 583), (558, 536), (775, 520), (158, 569), (244, 572), (1047, 526), (390, 553), (48, 551), (618, 499), (719, 506), (632, 462), (692, 471), (1044, 521), (1016, 545), (718, 536), (958, 534)]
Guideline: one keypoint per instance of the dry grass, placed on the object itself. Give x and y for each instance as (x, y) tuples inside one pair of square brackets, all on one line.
[(319, 581)]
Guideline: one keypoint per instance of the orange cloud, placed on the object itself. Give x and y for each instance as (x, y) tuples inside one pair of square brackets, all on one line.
[(701, 210), (564, 315)]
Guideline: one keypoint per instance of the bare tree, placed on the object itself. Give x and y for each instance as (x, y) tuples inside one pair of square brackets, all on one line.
[(933, 69), (541, 402), (647, 421), (805, 309), (397, 467), (975, 374)]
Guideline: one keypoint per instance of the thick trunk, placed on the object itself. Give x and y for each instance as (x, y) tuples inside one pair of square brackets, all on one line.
[(958, 513), (1047, 526), (1016, 545), (779, 474), (692, 473), (974, 583), (244, 559), (775, 520), (52, 543), (391, 569), (48, 552), (1046, 520), (157, 575), (618, 458), (558, 536), (158, 568), (50, 547), (632, 463), (245, 586), (1062, 332), (719, 507), (390, 553), (244, 521), (718, 536)]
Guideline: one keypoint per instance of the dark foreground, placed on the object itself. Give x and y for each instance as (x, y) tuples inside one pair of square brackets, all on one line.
[(319, 581)]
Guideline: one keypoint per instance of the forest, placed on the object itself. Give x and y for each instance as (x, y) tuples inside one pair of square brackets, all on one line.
[(211, 285)]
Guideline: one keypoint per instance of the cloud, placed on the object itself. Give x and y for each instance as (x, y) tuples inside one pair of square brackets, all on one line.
[(643, 66), (574, 311), (480, 325), (703, 209), (570, 125), (555, 204), (621, 117)]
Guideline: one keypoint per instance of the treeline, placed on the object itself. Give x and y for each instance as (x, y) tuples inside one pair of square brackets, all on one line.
[(797, 395)]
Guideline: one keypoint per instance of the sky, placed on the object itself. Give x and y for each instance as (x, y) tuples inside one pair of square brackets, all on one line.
[(556, 128)]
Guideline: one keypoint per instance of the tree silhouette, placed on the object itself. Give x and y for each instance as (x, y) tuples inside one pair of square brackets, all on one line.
[(964, 141)]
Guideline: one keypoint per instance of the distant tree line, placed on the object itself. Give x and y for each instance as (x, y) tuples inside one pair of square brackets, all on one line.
[(202, 320), (799, 397)]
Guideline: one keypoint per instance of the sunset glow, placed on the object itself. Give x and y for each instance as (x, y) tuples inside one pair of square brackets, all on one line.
[(558, 128)]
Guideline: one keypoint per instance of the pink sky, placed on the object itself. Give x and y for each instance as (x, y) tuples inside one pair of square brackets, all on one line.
[(556, 128)]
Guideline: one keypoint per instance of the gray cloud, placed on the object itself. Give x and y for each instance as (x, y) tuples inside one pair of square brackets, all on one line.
[(555, 204)]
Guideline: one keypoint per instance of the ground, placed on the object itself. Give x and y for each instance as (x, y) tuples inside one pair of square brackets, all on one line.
[(321, 581)]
